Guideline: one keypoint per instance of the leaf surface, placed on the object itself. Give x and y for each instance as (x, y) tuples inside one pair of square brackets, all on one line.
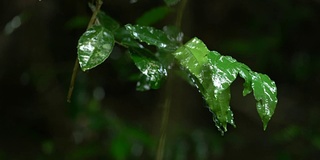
[(265, 93), (151, 36), (213, 75), (153, 72), (94, 47)]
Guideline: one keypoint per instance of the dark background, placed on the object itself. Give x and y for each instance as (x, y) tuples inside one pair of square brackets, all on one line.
[(108, 119)]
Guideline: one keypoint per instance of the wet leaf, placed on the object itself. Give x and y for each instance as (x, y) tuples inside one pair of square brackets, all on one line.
[(265, 93), (194, 57), (107, 22), (151, 36), (213, 75), (152, 16), (123, 36), (225, 71), (94, 47), (153, 72)]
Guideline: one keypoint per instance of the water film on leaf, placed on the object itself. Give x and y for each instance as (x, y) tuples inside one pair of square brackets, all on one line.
[(94, 47), (152, 36), (153, 72), (213, 75)]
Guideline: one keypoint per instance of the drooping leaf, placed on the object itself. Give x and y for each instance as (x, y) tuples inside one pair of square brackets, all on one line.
[(225, 71), (94, 47), (213, 74), (152, 16), (153, 72), (193, 57), (107, 22), (265, 93), (151, 36)]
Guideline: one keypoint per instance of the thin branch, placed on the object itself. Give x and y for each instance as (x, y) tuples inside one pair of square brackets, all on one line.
[(180, 13), (76, 64)]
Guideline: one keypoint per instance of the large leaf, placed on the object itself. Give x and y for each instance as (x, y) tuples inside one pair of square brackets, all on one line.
[(265, 93), (152, 16), (213, 74), (193, 57), (152, 36), (94, 47), (152, 70)]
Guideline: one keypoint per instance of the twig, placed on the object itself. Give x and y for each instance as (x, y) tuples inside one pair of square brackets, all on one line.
[(76, 64)]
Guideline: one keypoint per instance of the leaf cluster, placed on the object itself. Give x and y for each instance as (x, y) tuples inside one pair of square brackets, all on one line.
[(211, 72)]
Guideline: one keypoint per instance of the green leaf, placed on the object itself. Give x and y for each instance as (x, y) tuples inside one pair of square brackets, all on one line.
[(193, 57), (107, 22), (123, 36), (225, 71), (213, 74), (265, 93), (152, 70), (152, 16), (151, 36), (94, 47), (171, 2)]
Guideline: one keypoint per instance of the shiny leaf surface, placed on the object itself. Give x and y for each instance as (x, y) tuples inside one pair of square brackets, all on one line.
[(94, 47), (153, 72), (265, 93), (213, 74), (123, 36), (151, 36)]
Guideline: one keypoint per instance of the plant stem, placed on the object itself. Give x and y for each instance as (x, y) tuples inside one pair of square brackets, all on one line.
[(164, 124), (180, 13), (76, 64), (167, 104)]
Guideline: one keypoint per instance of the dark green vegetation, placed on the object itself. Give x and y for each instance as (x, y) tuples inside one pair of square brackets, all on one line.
[(209, 71), (148, 46)]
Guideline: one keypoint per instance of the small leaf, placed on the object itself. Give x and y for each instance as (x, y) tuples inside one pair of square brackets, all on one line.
[(151, 36), (94, 47), (152, 16), (265, 93), (107, 22), (152, 70)]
